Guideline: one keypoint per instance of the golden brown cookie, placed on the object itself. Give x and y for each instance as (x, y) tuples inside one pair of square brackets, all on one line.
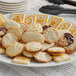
[(62, 58), (21, 60), (33, 46), (56, 51), (42, 57), (14, 49)]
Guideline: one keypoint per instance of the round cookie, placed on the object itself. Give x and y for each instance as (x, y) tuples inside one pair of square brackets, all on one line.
[(33, 46), (51, 35), (71, 48), (42, 57), (16, 31), (32, 36), (35, 28), (8, 39), (56, 51), (66, 38), (14, 49), (11, 23), (28, 54)]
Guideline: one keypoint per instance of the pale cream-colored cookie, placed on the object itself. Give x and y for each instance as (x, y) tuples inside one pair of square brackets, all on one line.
[(35, 28), (32, 36), (21, 60), (56, 51), (16, 31), (2, 20), (8, 39), (18, 17), (28, 54), (33, 46), (45, 46), (2, 50), (62, 58), (14, 49), (66, 38), (51, 35), (24, 27), (11, 23), (71, 48), (42, 57)]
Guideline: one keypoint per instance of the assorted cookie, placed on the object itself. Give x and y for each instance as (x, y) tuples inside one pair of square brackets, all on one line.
[(28, 37)]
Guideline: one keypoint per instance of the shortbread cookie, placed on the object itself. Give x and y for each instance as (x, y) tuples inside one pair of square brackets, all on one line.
[(56, 51), (29, 19), (3, 31), (45, 46), (33, 46), (64, 26), (24, 27), (42, 19), (2, 20), (28, 54), (2, 50), (42, 57), (32, 36), (62, 58), (8, 39), (66, 39), (71, 48), (51, 35), (11, 23), (16, 31), (18, 17), (21, 60), (14, 49), (73, 30), (35, 28), (55, 21)]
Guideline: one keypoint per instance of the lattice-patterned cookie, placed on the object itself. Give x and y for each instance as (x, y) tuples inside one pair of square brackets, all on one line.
[(64, 26), (29, 19), (42, 19), (18, 17), (73, 30), (55, 21), (2, 20), (21, 60)]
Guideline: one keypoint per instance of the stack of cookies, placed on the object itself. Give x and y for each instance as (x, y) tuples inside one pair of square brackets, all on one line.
[(38, 37)]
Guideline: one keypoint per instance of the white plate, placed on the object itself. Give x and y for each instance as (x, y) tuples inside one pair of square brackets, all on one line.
[(5, 59)]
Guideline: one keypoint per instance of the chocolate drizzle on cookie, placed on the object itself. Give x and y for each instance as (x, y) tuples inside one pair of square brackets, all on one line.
[(46, 26), (69, 37)]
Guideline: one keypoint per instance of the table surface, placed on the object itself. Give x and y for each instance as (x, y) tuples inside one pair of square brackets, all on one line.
[(64, 70)]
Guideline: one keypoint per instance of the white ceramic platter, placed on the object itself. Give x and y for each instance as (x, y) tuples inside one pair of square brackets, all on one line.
[(5, 59)]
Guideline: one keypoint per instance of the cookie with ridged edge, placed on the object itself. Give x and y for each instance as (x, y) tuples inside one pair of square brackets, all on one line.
[(8, 39), (33, 46), (14, 49), (42, 57)]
